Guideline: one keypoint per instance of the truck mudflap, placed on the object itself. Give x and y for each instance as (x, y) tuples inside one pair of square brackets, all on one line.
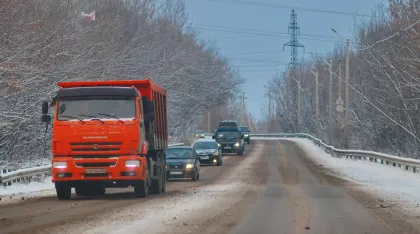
[(130, 167)]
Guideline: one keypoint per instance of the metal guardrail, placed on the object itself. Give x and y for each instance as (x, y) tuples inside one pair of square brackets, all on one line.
[(376, 157), (27, 173)]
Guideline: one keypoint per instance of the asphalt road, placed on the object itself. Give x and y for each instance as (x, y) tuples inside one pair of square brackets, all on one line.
[(274, 188), (34, 215), (297, 199)]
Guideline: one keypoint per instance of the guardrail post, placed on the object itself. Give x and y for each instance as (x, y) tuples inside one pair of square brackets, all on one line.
[(406, 167), (382, 161), (414, 169)]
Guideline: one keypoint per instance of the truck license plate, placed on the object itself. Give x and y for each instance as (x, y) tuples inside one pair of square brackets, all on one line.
[(228, 147), (95, 170), (204, 157), (176, 172)]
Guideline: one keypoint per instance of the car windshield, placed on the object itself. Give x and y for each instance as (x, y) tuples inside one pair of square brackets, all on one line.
[(179, 153), (96, 107), (244, 129), (227, 134), (205, 145)]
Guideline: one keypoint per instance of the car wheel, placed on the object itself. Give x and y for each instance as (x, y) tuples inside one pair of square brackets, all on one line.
[(194, 175), (219, 162)]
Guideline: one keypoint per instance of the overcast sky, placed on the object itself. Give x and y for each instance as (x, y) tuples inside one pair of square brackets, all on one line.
[(253, 36)]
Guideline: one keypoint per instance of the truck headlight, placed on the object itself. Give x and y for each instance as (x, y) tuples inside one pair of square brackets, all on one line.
[(219, 145), (59, 164), (246, 135), (132, 163), (237, 144), (189, 166)]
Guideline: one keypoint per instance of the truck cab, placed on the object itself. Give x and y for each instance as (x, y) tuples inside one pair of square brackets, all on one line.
[(108, 134)]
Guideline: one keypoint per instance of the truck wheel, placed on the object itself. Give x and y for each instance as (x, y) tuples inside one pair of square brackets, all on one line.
[(63, 191), (141, 189), (164, 179), (157, 184)]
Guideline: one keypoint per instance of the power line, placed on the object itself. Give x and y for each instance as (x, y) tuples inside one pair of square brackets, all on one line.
[(264, 31), (265, 34), (252, 3)]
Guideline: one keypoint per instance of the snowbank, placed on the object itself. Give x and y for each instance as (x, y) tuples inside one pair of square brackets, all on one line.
[(34, 186), (393, 182)]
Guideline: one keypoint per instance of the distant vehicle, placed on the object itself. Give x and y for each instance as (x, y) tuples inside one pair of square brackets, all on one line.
[(208, 151), (246, 132), (228, 124), (199, 133), (230, 140), (182, 162)]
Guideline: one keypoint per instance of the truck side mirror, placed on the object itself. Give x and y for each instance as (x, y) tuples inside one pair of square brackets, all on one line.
[(46, 118), (45, 108)]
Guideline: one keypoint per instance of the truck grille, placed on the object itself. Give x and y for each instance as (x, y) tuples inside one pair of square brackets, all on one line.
[(94, 156), (102, 164), (95, 146)]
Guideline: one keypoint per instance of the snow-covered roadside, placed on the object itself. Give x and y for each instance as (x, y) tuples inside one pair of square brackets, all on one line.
[(393, 184), (9, 194), (180, 213)]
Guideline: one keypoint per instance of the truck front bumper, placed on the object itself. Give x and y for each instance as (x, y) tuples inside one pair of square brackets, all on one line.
[(98, 169)]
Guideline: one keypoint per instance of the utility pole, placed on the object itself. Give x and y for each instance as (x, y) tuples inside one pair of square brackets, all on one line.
[(346, 123), (298, 82), (269, 112), (208, 122), (243, 109), (317, 104), (340, 125), (331, 106)]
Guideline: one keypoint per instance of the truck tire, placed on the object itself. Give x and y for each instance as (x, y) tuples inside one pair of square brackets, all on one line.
[(164, 174), (141, 189), (157, 184), (63, 190)]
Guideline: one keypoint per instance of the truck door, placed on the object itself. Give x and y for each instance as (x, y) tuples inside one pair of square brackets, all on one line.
[(141, 126)]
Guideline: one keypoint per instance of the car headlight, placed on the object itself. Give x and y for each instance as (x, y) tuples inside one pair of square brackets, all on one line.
[(237, 144), (132, 163), (189, 166), (246, 135), (219, 145), (59, 164)]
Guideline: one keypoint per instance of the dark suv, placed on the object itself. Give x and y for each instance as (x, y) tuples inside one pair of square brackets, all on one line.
[(230, 140), (228, 124), (245, 131)]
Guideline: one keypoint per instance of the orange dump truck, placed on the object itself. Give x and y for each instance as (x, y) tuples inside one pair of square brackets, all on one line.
[(108, 134)]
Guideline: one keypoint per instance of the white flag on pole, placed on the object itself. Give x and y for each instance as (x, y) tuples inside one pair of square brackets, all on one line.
[(90, 16)]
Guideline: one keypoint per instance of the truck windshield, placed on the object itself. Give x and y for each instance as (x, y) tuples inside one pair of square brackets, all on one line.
[(227, 134), (96, 107)]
